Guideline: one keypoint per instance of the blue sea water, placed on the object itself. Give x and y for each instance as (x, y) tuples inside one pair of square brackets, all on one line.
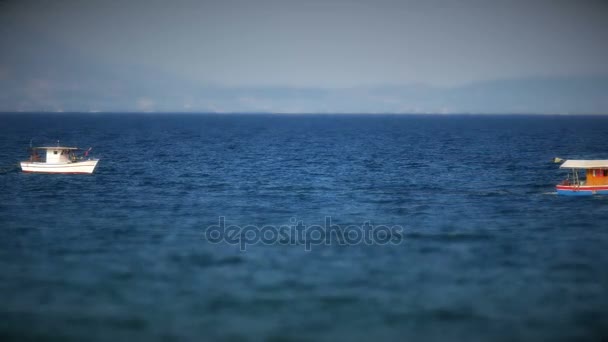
[(487, 250)]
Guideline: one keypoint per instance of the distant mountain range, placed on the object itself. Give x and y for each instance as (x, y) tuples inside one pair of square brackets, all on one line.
[(50, 76), (134, 89)]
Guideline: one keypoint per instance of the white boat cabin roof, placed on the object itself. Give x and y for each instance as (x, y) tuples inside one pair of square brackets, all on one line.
[(585, 164), (55, 148)]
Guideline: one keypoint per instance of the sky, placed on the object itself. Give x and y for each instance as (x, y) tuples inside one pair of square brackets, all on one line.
[(290, 56)]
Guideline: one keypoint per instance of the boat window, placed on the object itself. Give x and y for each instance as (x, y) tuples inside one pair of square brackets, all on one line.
[(54, 152)]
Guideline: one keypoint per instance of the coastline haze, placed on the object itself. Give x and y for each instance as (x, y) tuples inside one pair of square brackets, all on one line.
[(219, 56)]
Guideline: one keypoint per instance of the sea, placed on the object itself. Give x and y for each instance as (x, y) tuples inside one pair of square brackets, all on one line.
[(262, 227)]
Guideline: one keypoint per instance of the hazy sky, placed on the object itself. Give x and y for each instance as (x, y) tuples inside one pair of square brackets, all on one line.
[(307, 43)]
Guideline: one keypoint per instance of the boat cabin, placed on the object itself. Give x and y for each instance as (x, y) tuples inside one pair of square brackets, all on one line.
[(54, 155), (586, 172)]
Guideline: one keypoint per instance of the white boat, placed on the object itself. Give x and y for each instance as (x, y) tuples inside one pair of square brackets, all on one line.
[(59, 159)]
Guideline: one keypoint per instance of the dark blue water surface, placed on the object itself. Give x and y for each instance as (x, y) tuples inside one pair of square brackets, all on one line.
[(487, 250)]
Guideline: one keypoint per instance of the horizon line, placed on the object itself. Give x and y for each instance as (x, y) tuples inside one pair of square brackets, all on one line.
[(307, 113)]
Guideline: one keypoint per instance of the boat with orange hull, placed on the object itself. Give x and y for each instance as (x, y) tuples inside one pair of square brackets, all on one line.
[(586, 177)]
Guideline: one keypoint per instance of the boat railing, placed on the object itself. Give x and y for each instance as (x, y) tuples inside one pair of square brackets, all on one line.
[(573, 180)]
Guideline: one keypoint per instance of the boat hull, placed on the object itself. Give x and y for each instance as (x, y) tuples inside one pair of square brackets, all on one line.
[(571, 190), (81, 167)]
